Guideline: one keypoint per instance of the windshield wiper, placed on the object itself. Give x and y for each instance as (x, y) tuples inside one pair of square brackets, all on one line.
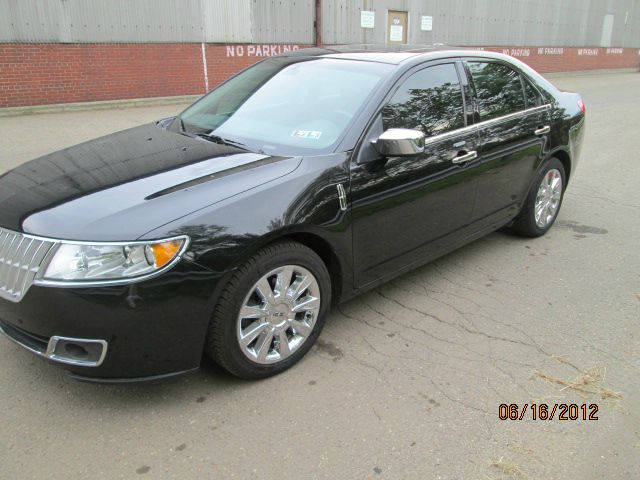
[(223, 141), (215, 138)]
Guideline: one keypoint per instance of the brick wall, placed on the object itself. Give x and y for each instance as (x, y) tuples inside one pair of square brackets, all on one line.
[(40, 74), (559, 59), (37, 74)]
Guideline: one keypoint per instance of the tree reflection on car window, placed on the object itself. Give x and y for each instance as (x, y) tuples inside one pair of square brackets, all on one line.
[(429, 100), (287, 105), (498, 89), (532, 95)]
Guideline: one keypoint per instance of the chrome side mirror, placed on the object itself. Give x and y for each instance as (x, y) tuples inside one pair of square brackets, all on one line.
[(400, 142)]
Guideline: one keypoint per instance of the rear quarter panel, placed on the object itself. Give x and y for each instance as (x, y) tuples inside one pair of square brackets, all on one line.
[(568, 127)]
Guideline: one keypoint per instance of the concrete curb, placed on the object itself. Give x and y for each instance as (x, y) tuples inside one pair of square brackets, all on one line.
[(102, 105)]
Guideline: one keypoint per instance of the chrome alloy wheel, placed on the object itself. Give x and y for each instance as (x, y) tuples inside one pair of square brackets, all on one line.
[(548, 198), (278, 314)]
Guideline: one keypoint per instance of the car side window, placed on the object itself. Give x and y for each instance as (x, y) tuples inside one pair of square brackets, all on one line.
[(531, 94), (429, 100), (498, 89)]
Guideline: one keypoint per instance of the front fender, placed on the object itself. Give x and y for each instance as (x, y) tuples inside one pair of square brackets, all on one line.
[(303, 202)]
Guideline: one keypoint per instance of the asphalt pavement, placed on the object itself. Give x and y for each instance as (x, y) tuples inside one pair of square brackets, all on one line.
[(406, 381)]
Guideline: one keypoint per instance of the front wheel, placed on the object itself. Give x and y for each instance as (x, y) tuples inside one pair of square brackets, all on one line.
[(271, 311), (543, 201)]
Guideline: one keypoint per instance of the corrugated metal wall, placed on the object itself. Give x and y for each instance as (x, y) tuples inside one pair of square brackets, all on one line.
[(211, 21), (456, 22), (489, 22), (283, 21)]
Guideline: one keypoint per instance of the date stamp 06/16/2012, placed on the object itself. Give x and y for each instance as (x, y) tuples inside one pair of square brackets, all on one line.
[(543, 411)]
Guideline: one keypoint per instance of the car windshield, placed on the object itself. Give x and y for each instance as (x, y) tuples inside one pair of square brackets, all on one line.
[(287, 105)]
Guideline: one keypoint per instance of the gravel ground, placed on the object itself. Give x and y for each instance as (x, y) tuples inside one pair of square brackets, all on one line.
[(406, 380)]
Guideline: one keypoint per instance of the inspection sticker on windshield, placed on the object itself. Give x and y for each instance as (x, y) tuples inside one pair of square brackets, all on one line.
[(313, 134)]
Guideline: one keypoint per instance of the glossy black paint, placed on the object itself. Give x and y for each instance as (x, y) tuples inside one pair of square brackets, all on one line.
[(400, 206), (153, 182), (121, 186)]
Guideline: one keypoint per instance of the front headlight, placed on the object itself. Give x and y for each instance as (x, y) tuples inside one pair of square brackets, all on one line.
[(112, 262)]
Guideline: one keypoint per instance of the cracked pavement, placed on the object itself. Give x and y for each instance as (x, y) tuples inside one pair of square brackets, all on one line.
[(406, 380)]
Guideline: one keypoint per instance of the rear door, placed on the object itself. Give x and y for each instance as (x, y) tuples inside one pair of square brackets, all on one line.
[(513, 124), (405, 209)]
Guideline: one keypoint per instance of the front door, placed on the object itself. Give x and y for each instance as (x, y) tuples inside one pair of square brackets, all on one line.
[(405, 209)]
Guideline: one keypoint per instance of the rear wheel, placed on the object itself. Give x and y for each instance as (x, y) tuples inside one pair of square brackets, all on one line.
[(270, 312), (543, 202)]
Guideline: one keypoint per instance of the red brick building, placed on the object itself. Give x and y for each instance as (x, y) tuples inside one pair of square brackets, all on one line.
[(54, 51)]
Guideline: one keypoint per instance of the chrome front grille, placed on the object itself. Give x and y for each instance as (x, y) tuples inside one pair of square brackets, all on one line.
[(21, 256)]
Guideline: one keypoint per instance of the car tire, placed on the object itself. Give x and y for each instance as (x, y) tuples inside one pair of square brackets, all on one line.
[(546, 193), (270, 309)]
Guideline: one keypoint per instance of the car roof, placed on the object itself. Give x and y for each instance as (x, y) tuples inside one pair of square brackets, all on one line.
[(392, 54), (405, 57)]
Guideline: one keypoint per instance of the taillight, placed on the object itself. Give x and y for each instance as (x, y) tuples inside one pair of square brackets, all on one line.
[(581, 105)]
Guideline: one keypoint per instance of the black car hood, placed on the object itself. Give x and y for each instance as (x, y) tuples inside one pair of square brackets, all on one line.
[(120, 186)]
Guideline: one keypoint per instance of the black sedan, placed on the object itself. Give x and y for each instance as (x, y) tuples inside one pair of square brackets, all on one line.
[(231, 229)]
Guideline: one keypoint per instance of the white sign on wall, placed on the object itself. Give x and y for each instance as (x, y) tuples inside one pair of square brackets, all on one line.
[(395, 33), (427, 23), (367, 19)]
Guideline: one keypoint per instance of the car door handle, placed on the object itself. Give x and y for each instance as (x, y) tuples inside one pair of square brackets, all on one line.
[(543, 130), (465, 157)]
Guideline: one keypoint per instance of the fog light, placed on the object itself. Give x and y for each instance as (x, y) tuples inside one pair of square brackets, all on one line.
[(76, 351)]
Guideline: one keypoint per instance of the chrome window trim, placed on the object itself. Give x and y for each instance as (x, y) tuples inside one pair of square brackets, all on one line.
[(42, 282), (485, 123), (511, 116)]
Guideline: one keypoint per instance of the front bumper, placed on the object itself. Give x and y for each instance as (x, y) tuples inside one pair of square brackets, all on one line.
[(152, 329)]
